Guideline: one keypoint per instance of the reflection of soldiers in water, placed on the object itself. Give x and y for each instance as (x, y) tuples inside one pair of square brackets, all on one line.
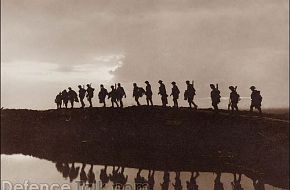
[(151, 180), (65, 170), (91, 176), (218, 185), (236, 184), (258, 184), (166, 180), (191, 184), (140, 181), (104, 177), (73, 172), (83, 175), (177, 185)]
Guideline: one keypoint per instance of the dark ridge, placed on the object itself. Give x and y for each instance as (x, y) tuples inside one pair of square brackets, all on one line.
[(154, 138)]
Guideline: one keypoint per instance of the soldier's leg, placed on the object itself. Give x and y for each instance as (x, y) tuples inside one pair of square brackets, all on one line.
[(259, 109), (251, 107), (189, 102), (195, 106), (116, 103), (72, 103), (151, 102), (121, 103), (147, 100), (112, 103)]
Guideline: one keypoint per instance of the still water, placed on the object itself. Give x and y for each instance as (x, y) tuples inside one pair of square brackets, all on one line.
[(18, 168)]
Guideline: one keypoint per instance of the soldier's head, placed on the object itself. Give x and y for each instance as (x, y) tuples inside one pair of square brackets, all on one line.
[(119, 84), (212, 86), (253, 88), (160, 81), (231, 88), (134, 84), (88, 85), (80, 86), (69, 88), (187, 82), (102, 86), (173, 83), (112, 87), (146, 82)]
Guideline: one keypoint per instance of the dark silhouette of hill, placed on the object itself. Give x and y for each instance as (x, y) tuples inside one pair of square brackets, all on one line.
[(154, 138)]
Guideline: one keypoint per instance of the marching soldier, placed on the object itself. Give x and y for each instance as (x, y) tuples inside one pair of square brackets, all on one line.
[(82, 94), (113, 96), (175, 94), (256, 99), (120, 94), (189, 94), (162, 92), (234, 98), (148, 93), (58, 100), (64, 97), (215, 96), (90, 94), (102, 95), (137, 93), (72, 96)]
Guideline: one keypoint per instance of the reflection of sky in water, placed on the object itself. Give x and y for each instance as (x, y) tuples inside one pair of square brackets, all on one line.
[(18, 168)]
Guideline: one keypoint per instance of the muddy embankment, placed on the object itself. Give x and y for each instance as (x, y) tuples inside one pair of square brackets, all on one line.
[(156, 138)]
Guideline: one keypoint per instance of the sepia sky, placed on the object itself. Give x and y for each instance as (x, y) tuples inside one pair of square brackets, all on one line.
[(49, 45)]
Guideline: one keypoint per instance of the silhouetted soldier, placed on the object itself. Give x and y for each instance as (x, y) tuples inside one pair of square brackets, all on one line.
[(177, 185), (102, 95), (175, 94), (120, 94), (191, 184), (258, 184), (189, 94), (218, 185), (83, 175), (151, 180), (104, 177), (90, 94), (58, 100), (166, 180), (236, 184), (162, 92), (256, 99), (215, 96), (148, 93), (234, 98), (72, 96), (137, 93), (73, 172), (82, 94), (91, 176), (64, 96), (113, 96)]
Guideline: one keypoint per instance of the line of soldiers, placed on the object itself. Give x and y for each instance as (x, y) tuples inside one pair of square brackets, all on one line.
[(117, 94)]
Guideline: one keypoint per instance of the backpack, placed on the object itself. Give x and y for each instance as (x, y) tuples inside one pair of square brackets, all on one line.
[(141, 91)]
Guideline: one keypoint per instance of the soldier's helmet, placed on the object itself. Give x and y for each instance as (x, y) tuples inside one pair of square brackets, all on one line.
[(146, 82), (173, 83), (160, 81), (88, 85), (231, 88), (69, 88), (112, 86), (187, 82), (134, 84), (101, 85), (79, 86), (252, 87), (212, 85), (119, 84)]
